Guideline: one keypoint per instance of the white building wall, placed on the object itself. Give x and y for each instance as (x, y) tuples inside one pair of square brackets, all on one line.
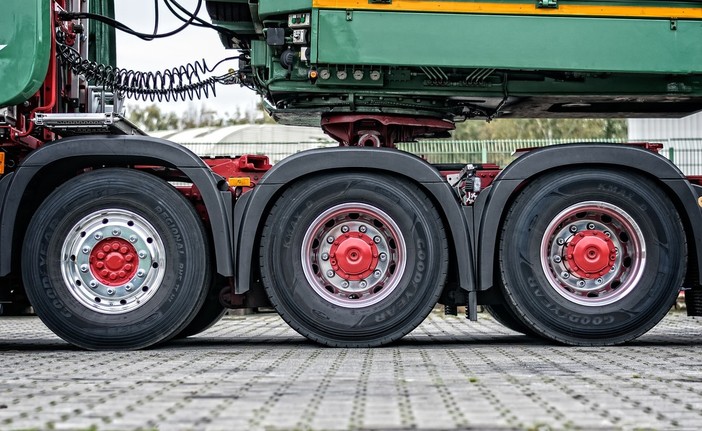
[(681, 139)]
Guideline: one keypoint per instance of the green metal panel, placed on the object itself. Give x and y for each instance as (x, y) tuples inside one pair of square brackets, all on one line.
[(25, 42), (103, 48), (277, 7), (510, 42)]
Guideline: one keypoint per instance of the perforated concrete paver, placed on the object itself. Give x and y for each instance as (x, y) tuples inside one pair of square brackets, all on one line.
[(255, 373)]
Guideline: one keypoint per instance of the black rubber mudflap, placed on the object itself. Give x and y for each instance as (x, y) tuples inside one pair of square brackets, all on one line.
[(693, 301)]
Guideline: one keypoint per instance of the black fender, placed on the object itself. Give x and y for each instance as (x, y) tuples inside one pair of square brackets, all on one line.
[(493, 203), (86, 151), (251, 209)]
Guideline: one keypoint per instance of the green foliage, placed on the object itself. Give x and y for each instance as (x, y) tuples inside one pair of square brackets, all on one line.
[(542, 128), (151, 117)]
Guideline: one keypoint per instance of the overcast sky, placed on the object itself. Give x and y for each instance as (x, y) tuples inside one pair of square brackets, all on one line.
[(193, 43)]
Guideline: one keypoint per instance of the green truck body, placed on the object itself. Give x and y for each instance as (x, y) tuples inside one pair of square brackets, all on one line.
[(464, 59)]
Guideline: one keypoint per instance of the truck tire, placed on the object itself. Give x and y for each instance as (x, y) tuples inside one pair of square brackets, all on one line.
[(116, 259), (210, 313), (353, 259), (592, 258), (504, 316)]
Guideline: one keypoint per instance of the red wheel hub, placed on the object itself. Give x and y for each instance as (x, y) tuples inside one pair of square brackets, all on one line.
[(590, 254), (354, 256), (113, 261)]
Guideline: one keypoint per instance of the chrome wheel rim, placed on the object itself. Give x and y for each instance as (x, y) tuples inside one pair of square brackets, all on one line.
[(593, 253), (353, 255), (113, 261)]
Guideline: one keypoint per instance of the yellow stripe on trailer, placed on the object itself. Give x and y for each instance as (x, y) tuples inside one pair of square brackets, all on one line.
[(515, 8)]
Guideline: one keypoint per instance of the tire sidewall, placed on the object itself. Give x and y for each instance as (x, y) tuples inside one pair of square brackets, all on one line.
[(555, 316)]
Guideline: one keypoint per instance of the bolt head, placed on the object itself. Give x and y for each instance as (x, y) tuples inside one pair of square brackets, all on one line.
[(133, 239), (362, 229), (565, 274), (344, 284), (93, 284), (608, 234), (581, 283), (98, 235), (591, 226), (560, 241), (573, 229), (382, 257), (376, 239), (116, 232), (557, 259), (110, 292), (363, 283), (377, 273), (330, 273), (142, 254), (128, 287), (599, 280), (330, 239), (344, 229), (325, 256), (140, 273), (86, 250)]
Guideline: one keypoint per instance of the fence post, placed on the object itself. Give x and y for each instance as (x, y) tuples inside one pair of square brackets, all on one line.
[(671, 154)]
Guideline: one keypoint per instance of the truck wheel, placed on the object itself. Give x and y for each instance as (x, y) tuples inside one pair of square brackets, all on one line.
[(353, 259), (115, 259), (210, 313), (505, 316), (593, 257)]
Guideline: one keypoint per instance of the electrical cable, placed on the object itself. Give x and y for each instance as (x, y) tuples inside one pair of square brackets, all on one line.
[(192, 20), (178, 83)]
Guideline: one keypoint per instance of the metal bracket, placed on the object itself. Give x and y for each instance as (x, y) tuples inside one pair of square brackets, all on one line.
[(547, 4)]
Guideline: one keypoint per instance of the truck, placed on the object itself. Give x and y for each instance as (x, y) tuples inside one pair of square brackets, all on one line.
[(119, 240)]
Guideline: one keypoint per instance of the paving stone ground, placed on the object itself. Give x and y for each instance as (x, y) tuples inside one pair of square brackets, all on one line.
[(254, 373)]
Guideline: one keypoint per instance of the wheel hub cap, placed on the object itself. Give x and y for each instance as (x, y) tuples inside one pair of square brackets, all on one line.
[(591, 254), (112, 261), (354, 256)]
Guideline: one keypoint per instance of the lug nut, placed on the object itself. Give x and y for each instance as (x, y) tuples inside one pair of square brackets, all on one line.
[(581, 283), (128, 287), (330, 273), (362, 229), (344, 229), (382, 257), (565, 274), (84, 268), (142, 254), (344, 284), (86, 250), (110, 292), (376, 239), (330, 239), (377, 273), (363, 283), (607, 234), (93, 284), (573, 229), (325, 256), (116, 232), (98, 235), (599, 280), (591, 226), (557, 259), (560, 241), (132, 238), (140, 273)]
